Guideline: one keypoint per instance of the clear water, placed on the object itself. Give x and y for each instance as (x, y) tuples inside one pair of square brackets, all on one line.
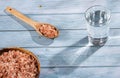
[(98, 35), (97, 29)]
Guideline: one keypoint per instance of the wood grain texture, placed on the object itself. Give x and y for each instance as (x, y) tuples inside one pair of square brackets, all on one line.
[(105, 72), (66, 38), (78, 56), (67, 21), (57, 6), (69, 55)]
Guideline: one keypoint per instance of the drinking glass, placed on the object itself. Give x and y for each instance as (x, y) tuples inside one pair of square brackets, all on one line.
[(98, 30)]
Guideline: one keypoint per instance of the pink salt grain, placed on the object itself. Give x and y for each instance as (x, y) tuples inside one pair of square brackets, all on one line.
[(16, 64), (48, 31)]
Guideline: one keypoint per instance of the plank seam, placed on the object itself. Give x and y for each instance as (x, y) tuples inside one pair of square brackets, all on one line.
[(75, 66), (59, 29)]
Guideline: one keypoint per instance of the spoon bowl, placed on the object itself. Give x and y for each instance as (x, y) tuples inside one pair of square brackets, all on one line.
[(46, 30)]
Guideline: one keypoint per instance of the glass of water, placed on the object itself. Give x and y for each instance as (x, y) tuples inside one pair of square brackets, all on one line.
[(97, 17)]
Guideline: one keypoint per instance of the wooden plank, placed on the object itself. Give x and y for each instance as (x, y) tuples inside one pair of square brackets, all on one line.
[(104, 72), (70, 21), (60, 21), (78, 56), (66, 38), (51, 51), (32, 39), (59, 6)]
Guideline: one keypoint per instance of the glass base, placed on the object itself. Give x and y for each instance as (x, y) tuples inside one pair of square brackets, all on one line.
[(98, 41)]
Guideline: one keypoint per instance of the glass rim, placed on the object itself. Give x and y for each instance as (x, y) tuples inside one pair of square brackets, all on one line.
[(99, 6)]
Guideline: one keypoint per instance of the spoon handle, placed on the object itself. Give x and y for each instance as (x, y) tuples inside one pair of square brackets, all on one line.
[(21, 16)]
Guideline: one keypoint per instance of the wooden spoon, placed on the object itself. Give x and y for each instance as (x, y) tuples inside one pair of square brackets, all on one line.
[(43, 29)]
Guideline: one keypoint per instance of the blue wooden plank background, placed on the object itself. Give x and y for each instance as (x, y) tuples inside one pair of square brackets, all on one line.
[(69, 55)]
